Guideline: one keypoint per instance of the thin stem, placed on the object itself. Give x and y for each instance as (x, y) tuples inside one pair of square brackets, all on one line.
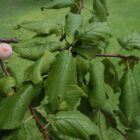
[(81, 6), (127, 57), (3, 68), (6, 40), (44, 130)]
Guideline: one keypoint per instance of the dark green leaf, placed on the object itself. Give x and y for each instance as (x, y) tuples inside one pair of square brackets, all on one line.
[(130, 97), (97, 95), (82, 65), (112, 101), (87, 51), (133, 135), (74, 124), (111, 75), (14, 107), (135, 124)]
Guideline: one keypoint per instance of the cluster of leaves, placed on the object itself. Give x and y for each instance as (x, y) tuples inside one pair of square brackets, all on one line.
[(75, 95)]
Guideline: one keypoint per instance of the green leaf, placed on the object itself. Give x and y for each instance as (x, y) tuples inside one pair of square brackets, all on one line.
[(23, 34), (27, 131), (135, 124), (17, 67), (72, 24), (111, 75), (106, 132), (34, 49), (100, 119), (133, 135), (130, 97), (112, 102), (97, 95), (82, 65), (39, 68), (62, 75), (74, 124), (71, 99), (120, 125), (41, 27), (96, 33), (100, 9), (57, 4), (13, 108), (130, 42), (114, 135), (6, 85), (87, 51)]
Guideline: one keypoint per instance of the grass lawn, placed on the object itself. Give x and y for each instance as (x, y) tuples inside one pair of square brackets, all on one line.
[(124, 17), (124, 14)]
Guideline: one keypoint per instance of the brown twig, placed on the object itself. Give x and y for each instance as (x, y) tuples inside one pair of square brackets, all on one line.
[(6, 73), (130, 57), (44, 130), (6, 40)]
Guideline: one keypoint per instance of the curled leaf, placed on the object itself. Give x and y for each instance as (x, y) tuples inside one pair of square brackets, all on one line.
[(57, 4), (6, 85), (40, 67)]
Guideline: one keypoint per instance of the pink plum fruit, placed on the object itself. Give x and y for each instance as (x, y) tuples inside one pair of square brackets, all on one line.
[(5, 51)]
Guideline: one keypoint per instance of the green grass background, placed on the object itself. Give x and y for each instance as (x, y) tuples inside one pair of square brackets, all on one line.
[(124, 14), (124, 18)]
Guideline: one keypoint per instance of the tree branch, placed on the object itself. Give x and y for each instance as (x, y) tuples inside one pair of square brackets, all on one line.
[(127, 57), (44, 130), (6, 73), (6, 40)]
